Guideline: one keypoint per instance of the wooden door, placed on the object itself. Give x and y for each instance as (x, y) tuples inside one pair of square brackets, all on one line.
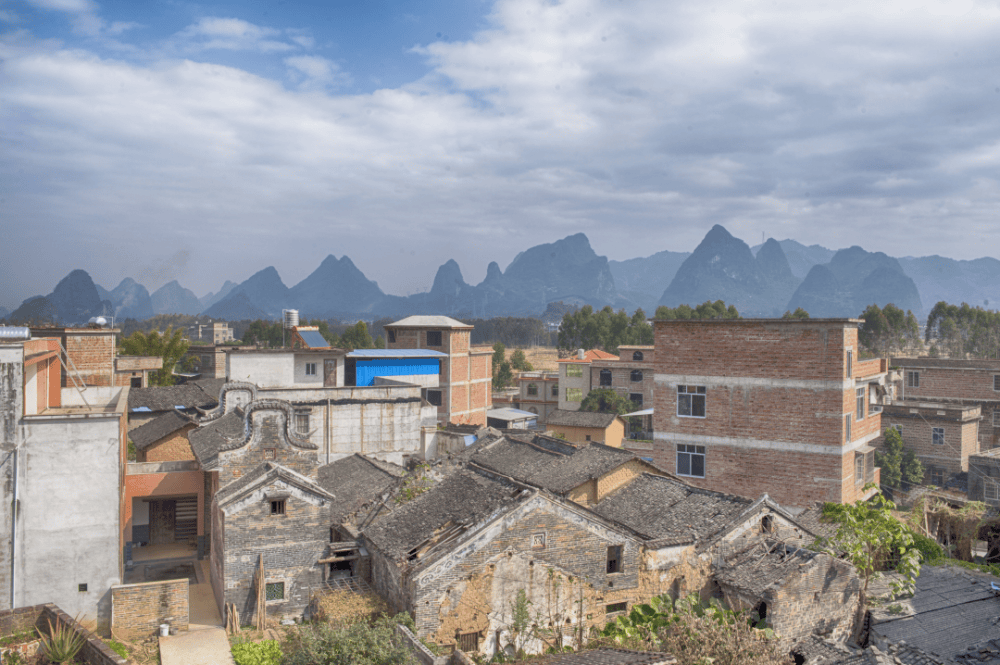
[(330, 373), (162, 516)]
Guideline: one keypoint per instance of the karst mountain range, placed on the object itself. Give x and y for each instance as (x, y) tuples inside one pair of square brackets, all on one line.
[(762, 281)]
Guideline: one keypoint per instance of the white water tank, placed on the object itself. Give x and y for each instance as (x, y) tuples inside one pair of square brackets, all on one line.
[(290, 318)]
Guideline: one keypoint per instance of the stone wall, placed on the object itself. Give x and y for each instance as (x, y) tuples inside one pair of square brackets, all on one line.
[(143, 607), (94, 651)]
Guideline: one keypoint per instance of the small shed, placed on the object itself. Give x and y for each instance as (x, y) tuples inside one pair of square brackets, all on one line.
[(586, 426), (509, 418)]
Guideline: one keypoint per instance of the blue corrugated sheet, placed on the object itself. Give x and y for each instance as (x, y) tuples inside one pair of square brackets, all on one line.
[(367, 370), (396, 353)]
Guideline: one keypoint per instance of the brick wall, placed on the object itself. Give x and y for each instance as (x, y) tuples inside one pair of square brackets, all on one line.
[(917, 425), (143, 607), (174, 447), (944, 377), (94, 651), (621, 378), (268, 428), (93, 356)]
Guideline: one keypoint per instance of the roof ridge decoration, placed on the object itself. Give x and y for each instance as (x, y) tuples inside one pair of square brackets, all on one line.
[(285, 410), (221, 409)]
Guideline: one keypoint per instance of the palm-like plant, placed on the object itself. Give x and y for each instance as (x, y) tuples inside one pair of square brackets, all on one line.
[(62, 643)]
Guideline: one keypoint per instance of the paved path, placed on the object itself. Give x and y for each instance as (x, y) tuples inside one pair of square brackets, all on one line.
[(206, 642)]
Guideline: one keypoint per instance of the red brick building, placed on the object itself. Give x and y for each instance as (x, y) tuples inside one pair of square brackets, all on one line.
[(943, 434), (90, 355), (767, 405), (464, 393)]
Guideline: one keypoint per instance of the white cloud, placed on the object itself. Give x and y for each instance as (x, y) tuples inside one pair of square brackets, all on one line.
[(639, 123)]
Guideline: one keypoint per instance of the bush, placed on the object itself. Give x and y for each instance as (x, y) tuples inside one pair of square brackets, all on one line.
[(931, 552), (266, 652), (359, 643), (118, 648)]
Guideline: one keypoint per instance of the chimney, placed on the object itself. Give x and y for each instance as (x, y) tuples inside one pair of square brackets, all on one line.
[(581, 354)]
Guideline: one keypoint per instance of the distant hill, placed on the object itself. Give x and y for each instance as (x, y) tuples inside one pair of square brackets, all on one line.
[(336, 288), (131, 300), (262, 292), (210, 298), (172, 298), (801, 258), (723, 268), (643, 280), (75, 300), (939, 278)]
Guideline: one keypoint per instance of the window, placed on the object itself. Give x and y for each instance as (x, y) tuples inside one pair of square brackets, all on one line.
[(587, 438), (302, 422), (538, 541), (996, 382), (555, 390), (269, 453), (991, 489), (913, 379), (996, 418), (637, 356), (574, 371), (614, 559), (392, 336), (468, 642), (636, 400), (935, 477), (434, 397), (937, 436), (847, 428), (433, 338), (135, 382), (636, 375), (859, 468), (278, 507), (690, 460), (615, 608), (82, 587), (532, 389), (605, 377), (691, 401), (310, 369), (274, 591), (850, 363), (767, 524), (574, 394), (860, 403)]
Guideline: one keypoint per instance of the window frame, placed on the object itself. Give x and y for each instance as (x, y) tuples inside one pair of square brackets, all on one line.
[(996, 417), (996, 383), (991, 489), (859, 468), (850, 363), (636, 402), (279, 507), (605, 378), (302, 422), (274, 584), (555, 390), (437, 336), (912, 378), (937, 436), (438, 393), (637, 356), (615, 559), (860, 395), (692, 400), (574, 371), (532, 389), (935, 473), (616, 608), (576, 392), (848, 419), (311, 369), (636, 376), (690, 452), (391, 336)]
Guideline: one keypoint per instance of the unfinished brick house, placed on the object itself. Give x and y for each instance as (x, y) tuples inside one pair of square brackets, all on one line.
[(630, 375), (89, 356), (585, 426), (767, 405), (464, 395), (943, 434), (972, 382)]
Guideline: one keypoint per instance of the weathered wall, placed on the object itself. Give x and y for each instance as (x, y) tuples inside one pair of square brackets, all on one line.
[(611, 436), (173, 447), (11, 407), (916, 424), (143, 607), (566, 382)]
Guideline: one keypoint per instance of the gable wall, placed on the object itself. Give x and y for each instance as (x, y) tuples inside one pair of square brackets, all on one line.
[(171, 448), (268, 432)]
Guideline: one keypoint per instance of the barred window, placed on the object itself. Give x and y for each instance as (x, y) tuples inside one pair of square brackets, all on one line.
[(274, 591)]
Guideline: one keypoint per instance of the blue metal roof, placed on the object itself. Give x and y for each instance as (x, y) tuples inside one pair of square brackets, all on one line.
[(313, 339), (396, 353)]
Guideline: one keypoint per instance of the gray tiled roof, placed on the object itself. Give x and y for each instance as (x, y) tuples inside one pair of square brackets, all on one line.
[(157, 428), (168, 398), (207, 440), (357, 481), (564, 418), (669, 511), (556, 467), (762, 565), (463, 498), (267, 472), (428, 322), (812, 519), (609, 657)]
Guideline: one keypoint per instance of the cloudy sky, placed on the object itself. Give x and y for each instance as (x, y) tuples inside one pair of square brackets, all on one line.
[(204, 141)]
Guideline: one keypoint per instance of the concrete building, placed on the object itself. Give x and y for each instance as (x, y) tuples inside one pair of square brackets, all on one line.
[(537, 392), (63, 457), (767, 405), (943, 434), (464, 394), (984, 477), (209, 360), (575, 379), (630, 375), (973, 382), (218, 332)]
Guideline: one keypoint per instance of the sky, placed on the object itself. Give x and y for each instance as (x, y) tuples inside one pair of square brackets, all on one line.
[(204, 141)]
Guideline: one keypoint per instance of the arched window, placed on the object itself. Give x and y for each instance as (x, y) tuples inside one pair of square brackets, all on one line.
[(637, 375), (637, 356), (605, 377), (532, 389)]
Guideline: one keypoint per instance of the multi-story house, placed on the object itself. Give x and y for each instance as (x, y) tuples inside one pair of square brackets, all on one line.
[(630, 375), (767, 405), (575, 379), (62, 454), (464, 394), (536, 392), (942, 433), (89, 356)]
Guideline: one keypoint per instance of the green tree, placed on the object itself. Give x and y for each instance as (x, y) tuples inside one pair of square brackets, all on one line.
[(887, 331), (502, 374), (605, 329), (911, 468), (890, 458), (963, 330), (380, 342), (706, 310), (357, 337), (870, 536), (170, 346), (265, 333), (519, 362), (799, 313), (605, 400)]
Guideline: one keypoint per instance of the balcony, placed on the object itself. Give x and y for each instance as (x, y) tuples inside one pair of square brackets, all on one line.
[(138, 468)]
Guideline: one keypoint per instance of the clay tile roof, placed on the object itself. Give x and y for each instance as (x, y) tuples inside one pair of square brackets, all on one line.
[(157, 428), (669, 511), (590, 356), (357, 481), (555, 466), (463, 498), (207, 440), (564, 418), (609, 657)]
